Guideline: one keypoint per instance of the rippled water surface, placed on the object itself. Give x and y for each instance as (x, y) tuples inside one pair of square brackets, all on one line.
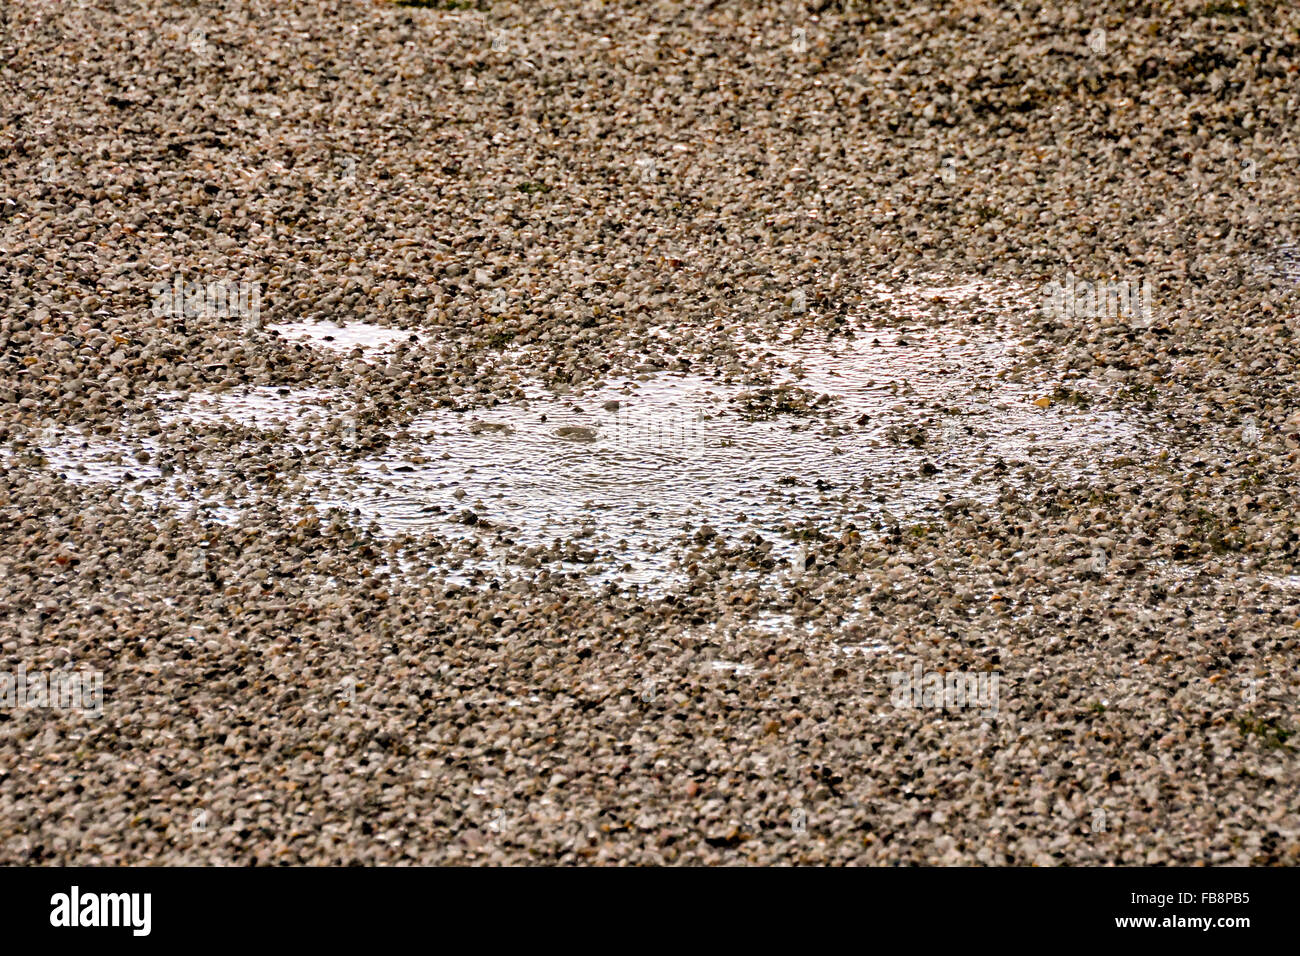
[(886, 422), (344, 337), (913, 417)]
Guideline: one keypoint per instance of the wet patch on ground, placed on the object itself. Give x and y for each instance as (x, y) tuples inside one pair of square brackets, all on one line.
[(878, 423)]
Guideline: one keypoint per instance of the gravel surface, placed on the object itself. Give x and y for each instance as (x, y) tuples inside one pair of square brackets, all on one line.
[(372, 573)]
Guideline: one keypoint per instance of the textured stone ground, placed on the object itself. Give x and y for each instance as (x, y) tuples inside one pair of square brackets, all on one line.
[(638, 180)]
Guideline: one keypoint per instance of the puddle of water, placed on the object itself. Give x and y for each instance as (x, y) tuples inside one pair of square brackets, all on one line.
[(891, 420), (96, 460), (1282, 582), (262, 406), (1279, 266), (1283, 264), (86, 460), (344, 337), (631, 467), (731, 667)]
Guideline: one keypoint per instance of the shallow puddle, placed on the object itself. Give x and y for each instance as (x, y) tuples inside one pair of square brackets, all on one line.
[(913, 417), (128, 465), (92, 460), (1283, 265), (261, 406), (616, 483), (345, 337)]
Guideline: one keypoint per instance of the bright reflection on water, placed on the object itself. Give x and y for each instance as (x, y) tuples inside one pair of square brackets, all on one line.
[(884, 423)]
